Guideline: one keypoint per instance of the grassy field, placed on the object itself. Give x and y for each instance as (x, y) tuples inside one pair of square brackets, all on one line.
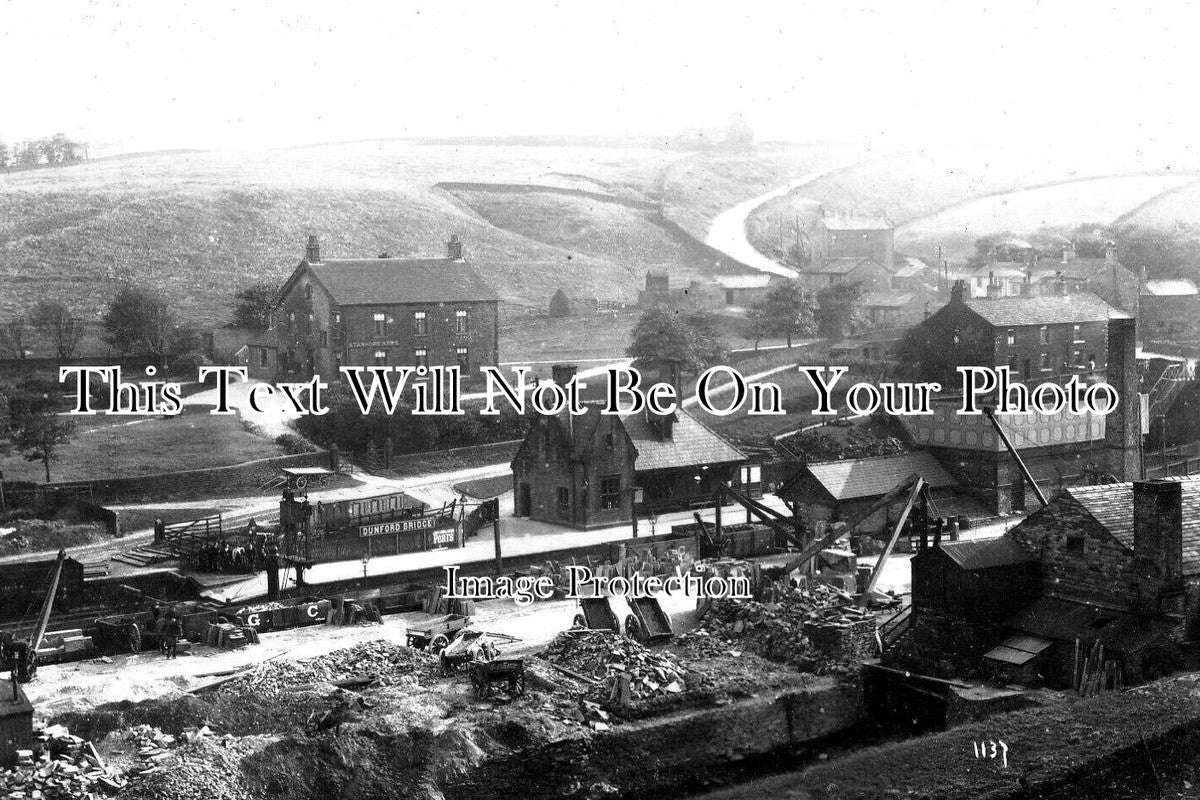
[(117, 447), (1179, 206), (202, 225)]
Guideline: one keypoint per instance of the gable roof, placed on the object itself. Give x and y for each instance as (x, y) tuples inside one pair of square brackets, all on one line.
[(885, 299), (1112, 506), (872, 477), (691, 444), (1047, 310), (388, 281), (972, 554)]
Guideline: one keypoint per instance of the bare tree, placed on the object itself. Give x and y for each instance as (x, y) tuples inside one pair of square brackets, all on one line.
[(14, 338), (54, 322)]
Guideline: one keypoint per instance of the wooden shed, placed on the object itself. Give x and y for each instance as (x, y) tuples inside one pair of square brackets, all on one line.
[(982, 580)]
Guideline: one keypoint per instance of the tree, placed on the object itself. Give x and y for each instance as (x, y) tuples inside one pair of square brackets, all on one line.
[(54, 322), (38, 436), (5, 155), (560, 306), (758, 326), (838, 313), (664, 335), (14, 338), (788, 310), (139, 320), (253, 307)]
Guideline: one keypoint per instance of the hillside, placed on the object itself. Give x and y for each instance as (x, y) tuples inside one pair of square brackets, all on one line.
[(202, 225)]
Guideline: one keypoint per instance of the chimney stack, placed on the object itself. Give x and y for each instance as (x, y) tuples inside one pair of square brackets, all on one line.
[(1157, 540), (958, 292), (994, 289), (1060, 284), (312, 251), (1123, 427), (454, 250), (563, 373)]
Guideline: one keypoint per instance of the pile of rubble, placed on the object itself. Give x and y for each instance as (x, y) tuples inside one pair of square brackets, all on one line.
[(622, 671), (783, 631), (375, 663), (59, 766)]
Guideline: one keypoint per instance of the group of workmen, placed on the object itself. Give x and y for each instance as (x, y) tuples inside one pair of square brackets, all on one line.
[(168, 629), (226, 557)]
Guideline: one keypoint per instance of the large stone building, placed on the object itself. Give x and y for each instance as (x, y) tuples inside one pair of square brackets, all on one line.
[(853, 235), (379, 311), (1039, 339), (592, 470)]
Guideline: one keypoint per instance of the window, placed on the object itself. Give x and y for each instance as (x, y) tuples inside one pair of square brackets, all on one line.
[(380, 322), (1044, 335), (610, 492), (1077, 358), (1011, 338), (460, 321), (1075, 544), (291, 319), (563, 498), (324, 338), (308, 292), (1076, 334), (381, 358), (1045, 362), (262, 358), (311, 318), (420, 323), (337, 319), (610, 441), (463, 361), (421, 357)]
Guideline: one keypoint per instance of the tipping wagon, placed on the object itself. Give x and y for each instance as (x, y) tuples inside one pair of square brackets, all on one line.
[(597, 614), (508, 671), (648, 623), (467, 646), (436, 633)]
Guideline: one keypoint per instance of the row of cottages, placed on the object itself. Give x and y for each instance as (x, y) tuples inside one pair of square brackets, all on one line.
[(1117, 564), (380, 311), (834, 491), (595, 470), (719, 292)]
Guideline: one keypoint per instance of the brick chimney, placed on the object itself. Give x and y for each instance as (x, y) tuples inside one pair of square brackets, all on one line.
[(454, 250), (958, 292), (994, 289), (1123, 427), (312, 251), (1157, 541), (1060, 284), (563, 373)]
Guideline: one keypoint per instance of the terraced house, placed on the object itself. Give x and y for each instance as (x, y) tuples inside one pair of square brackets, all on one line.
[(379, 311)]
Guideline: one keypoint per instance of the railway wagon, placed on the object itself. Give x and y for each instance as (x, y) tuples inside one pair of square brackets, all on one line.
[(23, 587)]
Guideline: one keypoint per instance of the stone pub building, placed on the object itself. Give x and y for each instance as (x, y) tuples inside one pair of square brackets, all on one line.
[(379, 312)]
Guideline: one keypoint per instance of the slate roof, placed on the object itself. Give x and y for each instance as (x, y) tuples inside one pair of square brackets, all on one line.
[(873, 477), (1112, 506), (1170, 288), (856, 222), (691, 443), (973, 554), (1050, 310), (388, 281)]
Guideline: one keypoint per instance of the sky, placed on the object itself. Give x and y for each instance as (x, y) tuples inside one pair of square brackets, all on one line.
[(214, 74)]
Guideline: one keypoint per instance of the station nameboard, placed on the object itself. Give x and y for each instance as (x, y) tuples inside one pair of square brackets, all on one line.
[(400, 526)]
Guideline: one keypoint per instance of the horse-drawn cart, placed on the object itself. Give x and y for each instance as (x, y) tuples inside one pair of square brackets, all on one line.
[(597, 614), (648, 623), (508, 671)]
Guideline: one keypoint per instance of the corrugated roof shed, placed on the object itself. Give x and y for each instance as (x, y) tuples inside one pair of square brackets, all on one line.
[(872, 477), (975, 554), (387, 281), (1052, 310), (1112, 506)]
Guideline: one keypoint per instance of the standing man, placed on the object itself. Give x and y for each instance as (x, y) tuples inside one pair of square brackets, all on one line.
[(174, 634)]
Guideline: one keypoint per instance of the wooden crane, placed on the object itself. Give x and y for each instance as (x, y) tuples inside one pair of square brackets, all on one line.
[(23, 654)]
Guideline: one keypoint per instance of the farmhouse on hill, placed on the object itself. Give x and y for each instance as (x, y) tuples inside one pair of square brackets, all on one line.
[(380, 311)]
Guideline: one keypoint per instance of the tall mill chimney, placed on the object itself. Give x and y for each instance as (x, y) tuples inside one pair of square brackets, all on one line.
[(312, 251), (1123, 427), (454, 251)]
